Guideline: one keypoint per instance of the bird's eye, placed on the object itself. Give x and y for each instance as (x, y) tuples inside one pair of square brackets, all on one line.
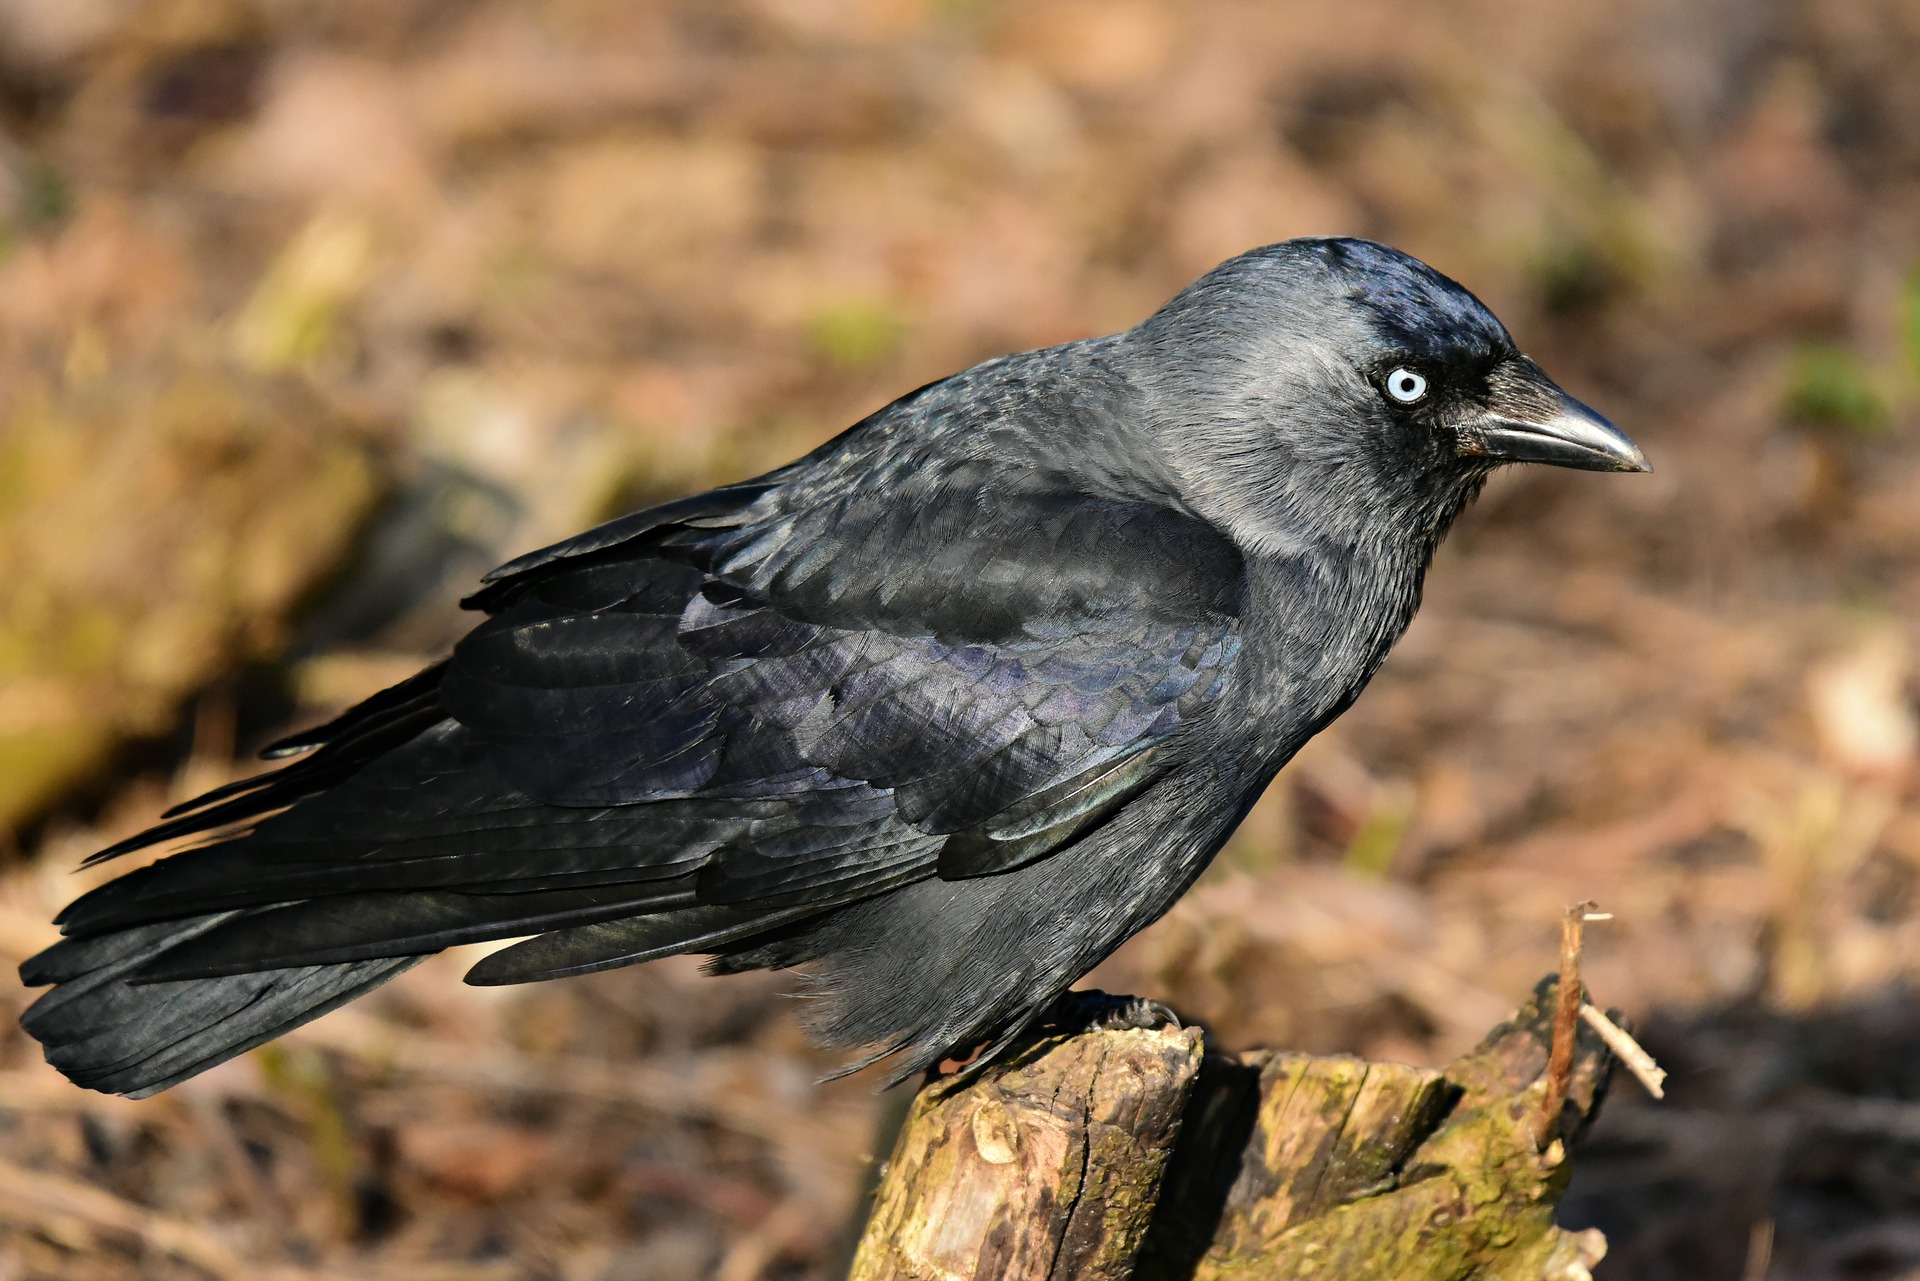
[(1406, 386)]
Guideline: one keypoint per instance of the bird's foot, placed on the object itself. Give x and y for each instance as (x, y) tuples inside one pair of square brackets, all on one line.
[(1099, 1011), (1143, 1014), (1071, 1014)]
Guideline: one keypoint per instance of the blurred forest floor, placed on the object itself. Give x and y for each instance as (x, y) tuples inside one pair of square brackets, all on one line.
[(310, 310)]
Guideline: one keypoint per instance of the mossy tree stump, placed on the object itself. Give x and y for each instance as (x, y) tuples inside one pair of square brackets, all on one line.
[(1114, 1147)]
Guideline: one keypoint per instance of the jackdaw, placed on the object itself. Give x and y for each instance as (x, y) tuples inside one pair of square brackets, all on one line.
[(943, 711)]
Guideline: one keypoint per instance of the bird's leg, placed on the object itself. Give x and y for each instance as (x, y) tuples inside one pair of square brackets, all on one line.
[(1099, 1011), (1143, 1013), (1070, 1014)]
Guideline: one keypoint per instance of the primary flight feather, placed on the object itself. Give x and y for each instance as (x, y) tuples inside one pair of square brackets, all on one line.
[(943, 711)]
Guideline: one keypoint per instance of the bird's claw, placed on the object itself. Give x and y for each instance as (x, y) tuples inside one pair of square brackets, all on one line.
[(1101, 1012), (1141, 1014)]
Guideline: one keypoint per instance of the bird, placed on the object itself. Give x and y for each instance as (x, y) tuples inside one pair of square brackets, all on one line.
[(938, 714)]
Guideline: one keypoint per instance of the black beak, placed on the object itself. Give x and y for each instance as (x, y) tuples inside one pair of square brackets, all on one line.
[(1530, 420)]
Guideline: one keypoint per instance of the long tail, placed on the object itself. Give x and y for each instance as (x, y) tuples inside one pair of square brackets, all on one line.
[(393, 839), (110, 1034), (109, 1030)]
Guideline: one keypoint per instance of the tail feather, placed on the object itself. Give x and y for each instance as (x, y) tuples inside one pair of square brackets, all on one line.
[(606, 945), (387, 720), (110, 1034), (358, 927)]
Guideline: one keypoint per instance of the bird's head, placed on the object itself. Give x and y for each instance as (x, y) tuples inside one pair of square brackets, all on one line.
[(1341, 386)]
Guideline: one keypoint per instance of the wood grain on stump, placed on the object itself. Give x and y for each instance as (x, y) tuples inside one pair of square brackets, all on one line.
[(1048, 1167), (1124, 1153)]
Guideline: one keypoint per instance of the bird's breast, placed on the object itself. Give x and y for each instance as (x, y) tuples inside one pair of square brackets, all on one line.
[(1317, 628)]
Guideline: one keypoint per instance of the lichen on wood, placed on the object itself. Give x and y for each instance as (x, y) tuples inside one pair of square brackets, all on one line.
[(1123, 1153)]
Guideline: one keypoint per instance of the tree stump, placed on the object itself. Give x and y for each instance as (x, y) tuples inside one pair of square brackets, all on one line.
[(1111, 1147), (1047, 1166)]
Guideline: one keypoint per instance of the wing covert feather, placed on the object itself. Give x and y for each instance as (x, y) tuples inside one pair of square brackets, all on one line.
[(692, 732)]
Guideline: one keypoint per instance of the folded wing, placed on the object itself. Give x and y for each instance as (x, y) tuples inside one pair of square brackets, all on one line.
[(690, 732)]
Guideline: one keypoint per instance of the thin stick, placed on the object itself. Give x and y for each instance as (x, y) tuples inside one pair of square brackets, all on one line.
[(1651, 1075), (1759, 1251), (703, 1090), (60, 1208), (36, 1198), (1566, 1019)]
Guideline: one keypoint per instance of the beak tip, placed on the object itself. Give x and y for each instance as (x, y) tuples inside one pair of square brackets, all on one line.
[(1566, 434)]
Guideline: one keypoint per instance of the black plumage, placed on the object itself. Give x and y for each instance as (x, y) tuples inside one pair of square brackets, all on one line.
[(943, 711)]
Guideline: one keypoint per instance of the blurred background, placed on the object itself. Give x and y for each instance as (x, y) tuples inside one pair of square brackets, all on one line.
[(311, 310)]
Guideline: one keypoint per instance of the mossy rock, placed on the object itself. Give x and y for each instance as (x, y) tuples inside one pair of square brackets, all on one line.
[(158, 527)]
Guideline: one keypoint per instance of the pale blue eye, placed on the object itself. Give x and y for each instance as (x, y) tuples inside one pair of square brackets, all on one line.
[(1406, 386)]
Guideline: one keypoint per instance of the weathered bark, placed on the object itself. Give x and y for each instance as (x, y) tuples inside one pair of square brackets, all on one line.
[(1122, 1153), (1048, 1167), (1379, 1172), (1284, 1139)]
